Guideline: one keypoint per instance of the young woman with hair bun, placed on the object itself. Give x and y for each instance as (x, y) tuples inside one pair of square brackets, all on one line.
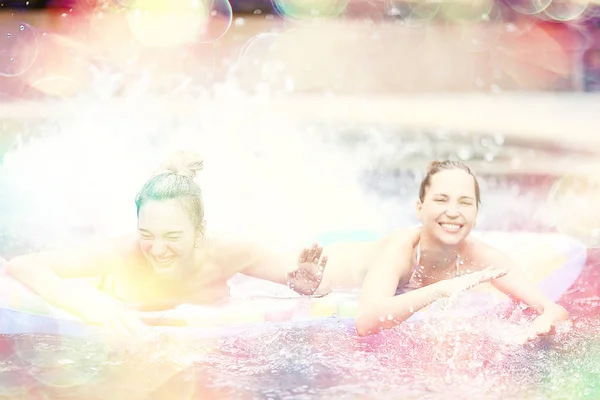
[(170, 261)]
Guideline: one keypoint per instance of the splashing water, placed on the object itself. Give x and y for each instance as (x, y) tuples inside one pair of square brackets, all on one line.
[(281, 178), (473, 357), (290, 178)]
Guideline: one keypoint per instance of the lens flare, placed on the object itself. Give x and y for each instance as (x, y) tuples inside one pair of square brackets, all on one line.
[(528, 7), (467, 11), (18, 48), (161, 23), (298, 10), (574, 201), (566, 10), (417, 10)]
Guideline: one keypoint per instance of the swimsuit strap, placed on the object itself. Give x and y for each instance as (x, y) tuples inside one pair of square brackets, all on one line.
[(457, 262)]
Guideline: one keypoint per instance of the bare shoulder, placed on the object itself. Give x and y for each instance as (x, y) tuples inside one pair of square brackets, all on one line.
[(400, 238)]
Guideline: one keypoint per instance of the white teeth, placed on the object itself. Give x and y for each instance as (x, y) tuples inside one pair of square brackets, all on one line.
[(451, 227)]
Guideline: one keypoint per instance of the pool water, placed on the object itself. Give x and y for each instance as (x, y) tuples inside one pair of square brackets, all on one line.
[(455, 358)]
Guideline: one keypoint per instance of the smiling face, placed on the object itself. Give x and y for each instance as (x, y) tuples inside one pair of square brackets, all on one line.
[(448, 209), (167, 237)]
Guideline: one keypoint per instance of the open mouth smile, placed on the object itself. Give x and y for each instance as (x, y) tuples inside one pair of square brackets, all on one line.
[(450, 226)]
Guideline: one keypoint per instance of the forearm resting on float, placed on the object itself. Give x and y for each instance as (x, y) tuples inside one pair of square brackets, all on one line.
[(48, 274), (386, 313), (519, 288), (67, 294)]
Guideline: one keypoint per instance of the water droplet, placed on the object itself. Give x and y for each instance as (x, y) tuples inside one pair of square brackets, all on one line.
[(8, 35), (21, 27)]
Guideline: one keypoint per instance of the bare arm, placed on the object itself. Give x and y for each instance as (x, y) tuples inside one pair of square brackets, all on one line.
[(268, 264), (255, 260), (302, 271), (46, 273), (378, 306), (519, 287), (516, 284)]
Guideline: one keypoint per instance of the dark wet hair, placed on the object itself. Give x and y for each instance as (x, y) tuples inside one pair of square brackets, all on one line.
[(438, 166), (175, 180)]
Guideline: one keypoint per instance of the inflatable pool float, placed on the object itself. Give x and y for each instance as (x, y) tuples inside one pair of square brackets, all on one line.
[(552, 261)]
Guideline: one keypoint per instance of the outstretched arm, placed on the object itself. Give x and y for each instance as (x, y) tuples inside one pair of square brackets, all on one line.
[(519, 287), (301, 271), (48, 274), (379, 307)]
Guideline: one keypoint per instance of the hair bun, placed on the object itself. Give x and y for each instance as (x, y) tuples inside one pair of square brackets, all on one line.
[(184, 163)]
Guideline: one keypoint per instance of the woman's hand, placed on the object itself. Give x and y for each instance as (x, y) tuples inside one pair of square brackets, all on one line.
[(311, 265), (112, 315), (545, 324)]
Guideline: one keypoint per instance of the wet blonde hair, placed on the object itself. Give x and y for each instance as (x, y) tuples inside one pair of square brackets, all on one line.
[(174, 180), (438, 166)]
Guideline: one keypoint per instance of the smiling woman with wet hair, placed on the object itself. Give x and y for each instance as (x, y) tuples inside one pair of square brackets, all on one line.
[(411, 268), (172, 260)]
